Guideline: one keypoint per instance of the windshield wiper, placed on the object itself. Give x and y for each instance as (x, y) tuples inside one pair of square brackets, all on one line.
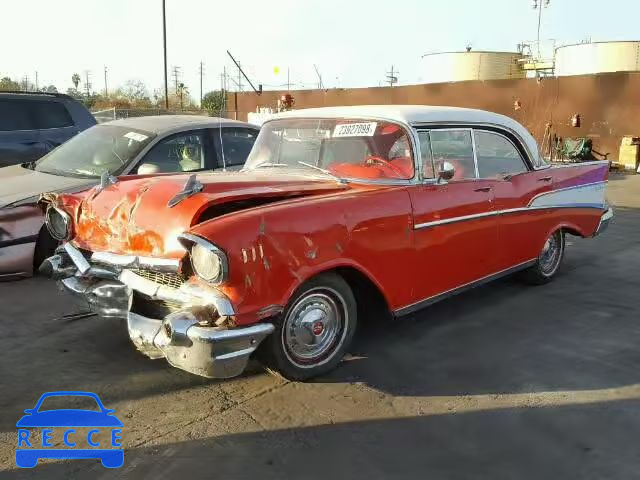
[(323, 170), (271, 164)]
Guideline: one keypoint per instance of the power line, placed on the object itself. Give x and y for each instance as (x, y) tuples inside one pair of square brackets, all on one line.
[(175, 74)]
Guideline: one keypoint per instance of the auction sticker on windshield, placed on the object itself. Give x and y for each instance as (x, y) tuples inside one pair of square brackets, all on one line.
[(138, 137), (365, 129)]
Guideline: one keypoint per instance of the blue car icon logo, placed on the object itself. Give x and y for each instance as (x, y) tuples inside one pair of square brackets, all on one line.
[(69, 419)]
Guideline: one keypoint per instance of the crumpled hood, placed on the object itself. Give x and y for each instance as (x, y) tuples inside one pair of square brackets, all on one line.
[(133, 216), (20, 183)]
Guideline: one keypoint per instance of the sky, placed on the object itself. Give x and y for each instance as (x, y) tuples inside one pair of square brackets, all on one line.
[(353, 43)]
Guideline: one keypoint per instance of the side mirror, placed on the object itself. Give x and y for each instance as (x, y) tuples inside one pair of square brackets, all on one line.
[(446, 172), (148, 169)]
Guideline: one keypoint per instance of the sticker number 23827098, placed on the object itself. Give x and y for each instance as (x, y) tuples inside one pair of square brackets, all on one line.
[(365, 129)]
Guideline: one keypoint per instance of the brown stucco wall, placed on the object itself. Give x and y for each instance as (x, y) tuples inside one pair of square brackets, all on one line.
[(608, 104)]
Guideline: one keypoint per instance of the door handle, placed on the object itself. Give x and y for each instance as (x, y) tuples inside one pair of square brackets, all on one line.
[(545, 179), (483, 189)]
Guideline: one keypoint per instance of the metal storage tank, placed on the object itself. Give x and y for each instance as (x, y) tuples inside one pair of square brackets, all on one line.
[(597, 57), (471, 65)]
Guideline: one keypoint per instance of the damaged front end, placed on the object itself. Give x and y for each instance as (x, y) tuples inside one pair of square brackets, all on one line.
[(188, 322)]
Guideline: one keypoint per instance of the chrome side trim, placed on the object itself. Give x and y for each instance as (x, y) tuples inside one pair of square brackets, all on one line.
[(462, 288), (581, 164), (463, 218), (165, 265)]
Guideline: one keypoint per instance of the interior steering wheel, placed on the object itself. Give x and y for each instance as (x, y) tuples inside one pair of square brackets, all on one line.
[(372, 158)]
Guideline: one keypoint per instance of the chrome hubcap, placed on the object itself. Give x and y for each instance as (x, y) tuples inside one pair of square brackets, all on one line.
[(550, 255), (314, 327)]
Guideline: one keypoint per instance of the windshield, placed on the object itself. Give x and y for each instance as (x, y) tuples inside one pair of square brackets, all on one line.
[(346, 148), (99, 149)]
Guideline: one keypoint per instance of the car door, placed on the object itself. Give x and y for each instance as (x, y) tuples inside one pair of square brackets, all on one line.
[(188, 151), (503, 162), (19, 138), (455, 229), (233, 145)]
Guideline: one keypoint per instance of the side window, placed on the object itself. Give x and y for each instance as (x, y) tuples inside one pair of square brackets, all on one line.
[(183, 152), (425, 154), (49, 115), (455, 147), (236, 145), (14, 115), (497, 156)]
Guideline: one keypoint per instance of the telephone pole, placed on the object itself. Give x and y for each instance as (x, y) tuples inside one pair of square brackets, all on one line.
[(392, 77), (37, 87), (239, 77), (106, 90), (164, 43), (201, 71), (539, 7)]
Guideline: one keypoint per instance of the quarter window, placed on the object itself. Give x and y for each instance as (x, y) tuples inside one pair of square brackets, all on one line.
[(455, 147), (14, 116), (50, 115), (497, 156)]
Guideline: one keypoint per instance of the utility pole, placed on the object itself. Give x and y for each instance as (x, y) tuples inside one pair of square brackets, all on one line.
[(288, 80), (106, 90), (392, 77), (164, 42), (176, 77), (37, 87), (201, 73), (239, 77), (25, 83), (537, 4), (87, 84)]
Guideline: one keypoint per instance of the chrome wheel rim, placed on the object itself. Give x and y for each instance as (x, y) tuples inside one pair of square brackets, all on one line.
[(315, 327), (551, 254)]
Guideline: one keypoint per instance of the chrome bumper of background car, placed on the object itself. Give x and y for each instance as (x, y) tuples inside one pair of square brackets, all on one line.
[(604, 221), (188, 338)]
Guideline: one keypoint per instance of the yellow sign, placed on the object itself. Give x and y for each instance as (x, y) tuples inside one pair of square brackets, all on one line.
[(276, 70)]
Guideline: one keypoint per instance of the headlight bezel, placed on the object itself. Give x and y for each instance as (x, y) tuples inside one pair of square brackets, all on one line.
[(49, 221), (192, 241)]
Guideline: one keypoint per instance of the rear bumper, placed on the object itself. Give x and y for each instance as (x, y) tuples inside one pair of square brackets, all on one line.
[(605, 219), (188, 337)]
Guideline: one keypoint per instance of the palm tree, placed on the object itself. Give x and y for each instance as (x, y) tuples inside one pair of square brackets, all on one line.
[(75, 78)]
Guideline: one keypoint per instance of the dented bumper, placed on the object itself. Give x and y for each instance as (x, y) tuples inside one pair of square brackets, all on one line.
[(193, 333)]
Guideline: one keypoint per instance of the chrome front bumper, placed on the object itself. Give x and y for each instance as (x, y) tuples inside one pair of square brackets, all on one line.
[(187, 338)]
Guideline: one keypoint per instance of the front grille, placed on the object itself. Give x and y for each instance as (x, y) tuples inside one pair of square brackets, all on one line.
[(173, 280), (151, 308)]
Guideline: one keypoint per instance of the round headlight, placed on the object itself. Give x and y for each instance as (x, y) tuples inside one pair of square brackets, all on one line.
[(58, 223), (208, 263)]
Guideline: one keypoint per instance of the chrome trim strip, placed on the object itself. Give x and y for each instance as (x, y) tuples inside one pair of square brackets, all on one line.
[(463, 218), (467, 286), (581, 164), (494, 213), (166, 265)]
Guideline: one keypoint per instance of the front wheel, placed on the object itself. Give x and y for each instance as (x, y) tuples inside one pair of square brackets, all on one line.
[(315, 330), (548, 262)]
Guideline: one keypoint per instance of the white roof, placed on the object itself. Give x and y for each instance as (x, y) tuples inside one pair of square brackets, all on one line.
[(412, 115)]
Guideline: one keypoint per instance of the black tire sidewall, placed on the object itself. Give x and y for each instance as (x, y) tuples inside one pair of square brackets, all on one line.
[(272, 352), (535, 275)]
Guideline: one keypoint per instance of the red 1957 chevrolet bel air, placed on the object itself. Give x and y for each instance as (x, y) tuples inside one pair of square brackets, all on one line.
[(334, 208)]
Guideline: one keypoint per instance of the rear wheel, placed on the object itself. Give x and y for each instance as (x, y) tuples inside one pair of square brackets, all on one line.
[(548, 262), (315, 330)]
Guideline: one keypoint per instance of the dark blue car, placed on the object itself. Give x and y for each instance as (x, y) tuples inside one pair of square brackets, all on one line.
[(73, 417), (34, 123)]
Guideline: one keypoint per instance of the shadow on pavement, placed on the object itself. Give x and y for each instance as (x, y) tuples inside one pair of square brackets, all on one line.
[(532, 443)]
